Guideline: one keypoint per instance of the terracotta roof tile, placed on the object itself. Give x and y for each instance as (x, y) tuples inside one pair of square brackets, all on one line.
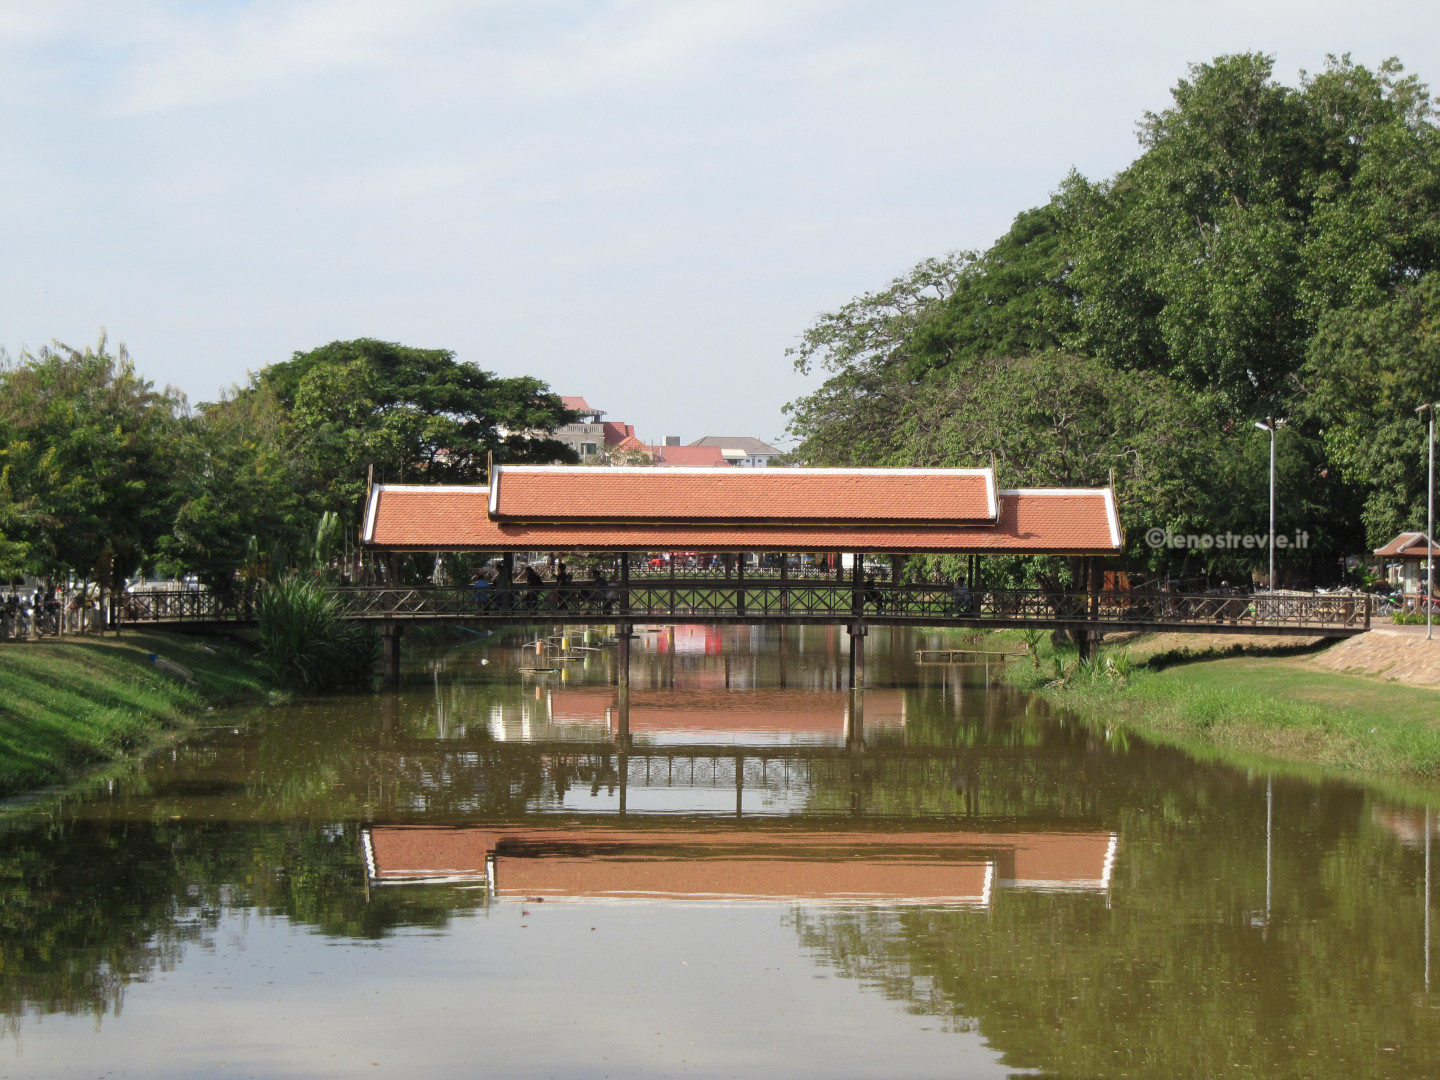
[(794, 496), (1060, 522), (1409, 544), (434, 517)]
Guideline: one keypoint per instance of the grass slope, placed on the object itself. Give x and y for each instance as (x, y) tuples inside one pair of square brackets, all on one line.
[(77, 702), (1254, 706)]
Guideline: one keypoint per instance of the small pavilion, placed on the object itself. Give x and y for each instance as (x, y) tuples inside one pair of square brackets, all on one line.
[(1404, 560)]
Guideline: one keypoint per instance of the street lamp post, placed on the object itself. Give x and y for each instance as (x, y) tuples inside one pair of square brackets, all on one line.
[(1270, 424), (1430, 528)]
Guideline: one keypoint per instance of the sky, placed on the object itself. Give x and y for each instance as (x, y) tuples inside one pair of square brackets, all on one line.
[(641, 203)]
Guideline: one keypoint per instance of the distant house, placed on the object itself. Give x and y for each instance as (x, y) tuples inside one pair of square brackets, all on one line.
[(740, 450), (587, 435), (673, 456)]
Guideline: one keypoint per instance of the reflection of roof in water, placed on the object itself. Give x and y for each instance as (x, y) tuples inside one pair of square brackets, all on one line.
[(710, 863), (692, 710), (1407, 824)]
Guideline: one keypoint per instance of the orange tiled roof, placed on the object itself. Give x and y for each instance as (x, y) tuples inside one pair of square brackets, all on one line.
[(690, 863), (1032, 521), (687, 457), (1410, 545), (552, 493), (437, 517)]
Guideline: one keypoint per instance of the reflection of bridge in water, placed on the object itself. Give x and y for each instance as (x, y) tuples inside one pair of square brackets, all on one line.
[(525, 862)]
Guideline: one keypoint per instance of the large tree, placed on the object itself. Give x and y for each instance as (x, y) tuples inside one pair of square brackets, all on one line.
[(1267, 254), (414, 414), (89, 453)]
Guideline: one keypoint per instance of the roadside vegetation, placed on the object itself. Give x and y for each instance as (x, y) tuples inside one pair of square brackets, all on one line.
[(69, 705), (1247, 704)]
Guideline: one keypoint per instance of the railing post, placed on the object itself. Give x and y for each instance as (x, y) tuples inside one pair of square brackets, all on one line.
[(857, 595), (625, 583), (740, 583), (507, 581), (1367, 611), (784, 583)]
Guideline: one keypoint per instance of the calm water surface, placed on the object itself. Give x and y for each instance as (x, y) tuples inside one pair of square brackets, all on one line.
[(733, 871)]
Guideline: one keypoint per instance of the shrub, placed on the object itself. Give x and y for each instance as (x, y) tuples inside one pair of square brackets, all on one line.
[(307, 643)]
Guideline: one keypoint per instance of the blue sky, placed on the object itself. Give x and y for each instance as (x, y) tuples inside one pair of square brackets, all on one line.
[(643, 203)]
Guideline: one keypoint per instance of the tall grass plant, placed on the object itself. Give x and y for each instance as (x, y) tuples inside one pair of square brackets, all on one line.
[(307, 643)]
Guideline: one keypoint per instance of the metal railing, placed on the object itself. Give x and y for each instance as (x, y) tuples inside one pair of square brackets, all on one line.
[(665, 598)]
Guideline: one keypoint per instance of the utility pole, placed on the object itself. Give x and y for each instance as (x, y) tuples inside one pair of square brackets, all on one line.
[(1430, 529), (1270, 424)]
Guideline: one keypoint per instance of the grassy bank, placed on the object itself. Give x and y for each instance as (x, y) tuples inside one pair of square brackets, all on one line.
[(1249, 706), (71, 704)]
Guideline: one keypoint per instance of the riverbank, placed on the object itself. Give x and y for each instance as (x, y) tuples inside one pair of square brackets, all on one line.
[(1301, 702), (70, 704)]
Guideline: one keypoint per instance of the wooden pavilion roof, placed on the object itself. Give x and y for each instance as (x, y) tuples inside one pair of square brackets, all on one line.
[(562, 508)]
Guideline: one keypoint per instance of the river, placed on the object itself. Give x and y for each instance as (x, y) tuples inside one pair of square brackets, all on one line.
[(736, 869)]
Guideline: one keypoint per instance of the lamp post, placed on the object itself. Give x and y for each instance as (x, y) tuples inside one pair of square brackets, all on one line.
[(1430, 527), (1270, 424)]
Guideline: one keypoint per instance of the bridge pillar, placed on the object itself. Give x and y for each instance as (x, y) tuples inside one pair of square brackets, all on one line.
[(390, 661), (622, 717), (857, 655), (623, 633), (506, 584), (855, 720)]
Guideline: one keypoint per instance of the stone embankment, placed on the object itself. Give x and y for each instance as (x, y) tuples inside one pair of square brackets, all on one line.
[(1400, 653)]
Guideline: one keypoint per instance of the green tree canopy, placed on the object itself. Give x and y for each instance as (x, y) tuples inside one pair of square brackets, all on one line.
[(412, 413), (1267, 254), (88, 453)]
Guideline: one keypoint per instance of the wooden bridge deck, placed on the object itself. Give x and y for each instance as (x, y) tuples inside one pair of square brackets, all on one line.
[(728, 601)]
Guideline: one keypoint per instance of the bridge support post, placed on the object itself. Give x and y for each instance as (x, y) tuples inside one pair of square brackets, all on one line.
[(622, 717), (623, 633), (507, 580), (855, 717), (390, 662), (857, 655)]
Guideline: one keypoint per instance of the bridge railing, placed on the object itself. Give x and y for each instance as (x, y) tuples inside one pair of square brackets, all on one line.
[(667, 598), (186, 605)]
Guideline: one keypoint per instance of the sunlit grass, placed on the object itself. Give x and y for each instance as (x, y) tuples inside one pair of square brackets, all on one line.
[(80, 701), (1257, 707)]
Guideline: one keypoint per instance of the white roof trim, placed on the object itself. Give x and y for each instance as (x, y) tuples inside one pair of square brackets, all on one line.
[(1053, 491), (374, 503), (720, 470), (1117, 536), (473, 488)]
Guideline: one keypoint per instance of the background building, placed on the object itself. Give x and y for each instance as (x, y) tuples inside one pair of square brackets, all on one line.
[(741, 450)]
